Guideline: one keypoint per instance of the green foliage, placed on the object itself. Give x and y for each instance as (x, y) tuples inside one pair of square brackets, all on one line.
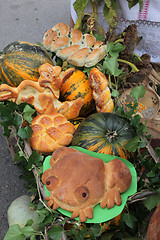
[(17, 119), (110, 63)]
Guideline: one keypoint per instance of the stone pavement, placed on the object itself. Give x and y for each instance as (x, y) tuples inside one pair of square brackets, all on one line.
[(25, 20)]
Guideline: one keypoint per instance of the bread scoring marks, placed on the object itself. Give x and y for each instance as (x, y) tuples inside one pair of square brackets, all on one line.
[(73, 43)]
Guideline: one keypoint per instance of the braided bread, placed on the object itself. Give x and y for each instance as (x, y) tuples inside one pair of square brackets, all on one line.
[(50, 132), (101, 92), (73, 46)]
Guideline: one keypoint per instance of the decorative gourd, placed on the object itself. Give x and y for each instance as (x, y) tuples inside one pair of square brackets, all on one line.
[(76, 121), (21, 60), (104, 133), (19, 212), (78, 86)]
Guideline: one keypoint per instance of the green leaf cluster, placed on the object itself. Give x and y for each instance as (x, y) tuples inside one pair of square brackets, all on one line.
[(110, 63)]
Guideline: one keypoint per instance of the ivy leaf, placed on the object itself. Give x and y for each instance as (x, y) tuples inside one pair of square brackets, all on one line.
[(33, 237), (111, 65), (129, 219), (114, 49), (27, 231), (138, 92), (17, 120), (25, 133), (35, 158), (152, 201), (99, 37), (157, 149), (115, 93), (56, 232), (132, 144), (96, 230), (28, 112), (14, 233)]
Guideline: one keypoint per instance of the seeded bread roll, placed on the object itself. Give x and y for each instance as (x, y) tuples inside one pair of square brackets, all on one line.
[(73, 46)]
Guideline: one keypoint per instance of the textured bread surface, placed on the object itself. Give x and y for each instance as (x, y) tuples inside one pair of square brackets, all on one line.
[(51, 132), (73, 46), (101, 92), (77, 182)]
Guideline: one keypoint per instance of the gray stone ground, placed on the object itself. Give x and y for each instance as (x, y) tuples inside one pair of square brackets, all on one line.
[(22, 21)]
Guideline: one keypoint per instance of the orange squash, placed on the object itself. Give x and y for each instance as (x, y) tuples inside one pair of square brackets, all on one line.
[(20, 60), (78, 86)]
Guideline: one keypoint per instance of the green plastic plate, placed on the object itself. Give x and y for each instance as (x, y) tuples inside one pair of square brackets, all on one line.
[(99, 214)]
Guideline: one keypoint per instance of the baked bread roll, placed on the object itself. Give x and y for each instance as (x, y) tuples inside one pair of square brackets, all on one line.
[(51, 132), (73, 46), (44, 94), (101, 92), (77, 182)]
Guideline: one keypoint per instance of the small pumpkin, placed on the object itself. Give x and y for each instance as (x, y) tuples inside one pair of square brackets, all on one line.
[(104, 133), (21, 60), (77, 85), (19, 212)]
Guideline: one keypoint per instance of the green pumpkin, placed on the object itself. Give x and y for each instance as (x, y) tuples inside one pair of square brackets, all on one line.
[(104, 133), (21, 60)]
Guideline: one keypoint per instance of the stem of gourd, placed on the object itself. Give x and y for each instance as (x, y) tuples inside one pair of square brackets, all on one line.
[(134, 68), (134, 54), (119, 40)]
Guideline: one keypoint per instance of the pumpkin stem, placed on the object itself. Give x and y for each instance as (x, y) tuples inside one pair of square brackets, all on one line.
[(111, 136)]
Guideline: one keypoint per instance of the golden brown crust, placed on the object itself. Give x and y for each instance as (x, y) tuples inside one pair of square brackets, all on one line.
[(63, 44), (49, 38), (77, 182), (88, 40), (60, 43), (95, 56), (62, 28), (76, 36), (101, 92), (79, 57), (44, 94), (50, 132), (66, 52)]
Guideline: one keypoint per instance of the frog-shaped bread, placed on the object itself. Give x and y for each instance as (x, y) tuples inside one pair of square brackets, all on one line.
[(77, 182)]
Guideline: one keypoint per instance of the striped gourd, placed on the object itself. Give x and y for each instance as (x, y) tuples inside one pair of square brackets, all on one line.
[(104, 133), (78, 86), (21, 60)]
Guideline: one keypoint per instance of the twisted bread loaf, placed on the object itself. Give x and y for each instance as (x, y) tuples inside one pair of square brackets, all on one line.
[(50, 132), (71, 45), (101, 92)]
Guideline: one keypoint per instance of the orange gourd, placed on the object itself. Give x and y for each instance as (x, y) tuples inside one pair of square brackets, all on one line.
[(78, 86)]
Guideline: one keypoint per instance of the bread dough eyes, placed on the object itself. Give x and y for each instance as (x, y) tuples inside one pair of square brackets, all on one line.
[(81, 194), (51, 182)]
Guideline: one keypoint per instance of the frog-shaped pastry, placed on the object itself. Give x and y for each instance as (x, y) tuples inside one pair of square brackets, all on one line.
[(77, 182)]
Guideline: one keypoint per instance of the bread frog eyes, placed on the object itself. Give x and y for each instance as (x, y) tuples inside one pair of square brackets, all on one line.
[(81, 194), (77, 182), (51, 182)]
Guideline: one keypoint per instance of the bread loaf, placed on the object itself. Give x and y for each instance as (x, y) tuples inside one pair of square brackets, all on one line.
[(77, 182), (50, 132), (101, 92), (73, 46)]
